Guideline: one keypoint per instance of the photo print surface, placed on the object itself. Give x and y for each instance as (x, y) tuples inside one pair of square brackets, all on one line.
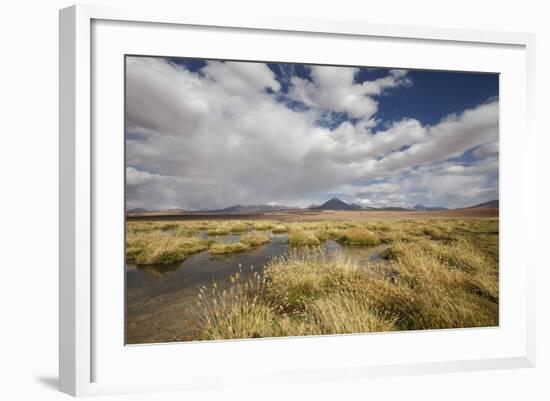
[(269, 199)]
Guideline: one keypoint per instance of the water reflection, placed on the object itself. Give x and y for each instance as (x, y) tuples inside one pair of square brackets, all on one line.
[(158, 297)]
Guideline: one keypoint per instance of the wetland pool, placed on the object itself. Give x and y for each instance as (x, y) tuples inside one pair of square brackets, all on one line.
[(160, 298)]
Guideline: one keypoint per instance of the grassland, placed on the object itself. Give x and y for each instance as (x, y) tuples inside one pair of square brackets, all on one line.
[(437, 273)]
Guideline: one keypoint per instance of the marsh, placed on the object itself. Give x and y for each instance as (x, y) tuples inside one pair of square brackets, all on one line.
[(286, 278)]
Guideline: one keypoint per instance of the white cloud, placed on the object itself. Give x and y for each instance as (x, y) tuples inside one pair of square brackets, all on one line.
[(450, 138), (242, 78), (487, 150), (136, 177), (448, 184), (218, 138), (333, 88)]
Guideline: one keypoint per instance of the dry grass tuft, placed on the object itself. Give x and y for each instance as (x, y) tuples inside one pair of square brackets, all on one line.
[(358, 236), (428, 285), (348, 313), (237, 312), (225, 248), (238, 227), (300, 237), (218, 230), (152, 247), (255, 239), (263, 225), (279, 229)]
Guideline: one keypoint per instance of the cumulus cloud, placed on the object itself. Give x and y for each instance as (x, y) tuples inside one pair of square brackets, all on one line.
[(241, 78), (454, 135), (222, 136), (136, 178), (489, 149), (436, 184), (333, 88)]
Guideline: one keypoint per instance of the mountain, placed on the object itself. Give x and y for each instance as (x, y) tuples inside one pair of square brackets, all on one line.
[(428, 208), (137, 210), (492, 204), (245, 209), (337, 204)]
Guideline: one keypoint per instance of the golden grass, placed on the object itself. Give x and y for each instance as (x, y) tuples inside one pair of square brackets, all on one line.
[(218, 231), (279, 229), (347, 313), (263, 225), (153, 247), (440, 273), (224, 248), (483, 232), (441, 286), (299, 237), (427, 285), (238, 227), (255, 238), (358, 236), (234, 313)]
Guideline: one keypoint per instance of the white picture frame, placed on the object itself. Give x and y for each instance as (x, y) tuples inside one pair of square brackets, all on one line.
[(82, 321)]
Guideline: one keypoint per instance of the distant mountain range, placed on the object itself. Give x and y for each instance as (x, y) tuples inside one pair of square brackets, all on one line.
[(493, 204), (244, 209), (331, 204), (428, 208), (338, 204), (137, 210)]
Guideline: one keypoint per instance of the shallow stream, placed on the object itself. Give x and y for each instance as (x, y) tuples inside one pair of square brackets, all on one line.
[(160, 298)]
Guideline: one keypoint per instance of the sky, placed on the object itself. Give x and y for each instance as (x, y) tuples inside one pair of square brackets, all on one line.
[(206, 134)]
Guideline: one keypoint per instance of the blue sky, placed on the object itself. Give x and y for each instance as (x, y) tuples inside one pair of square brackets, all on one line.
[(206, 134)]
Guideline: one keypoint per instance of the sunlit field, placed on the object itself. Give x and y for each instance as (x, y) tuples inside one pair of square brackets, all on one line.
[(330, 277)]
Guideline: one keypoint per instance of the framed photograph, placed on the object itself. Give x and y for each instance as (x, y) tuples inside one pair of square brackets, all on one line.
[(266, 200)]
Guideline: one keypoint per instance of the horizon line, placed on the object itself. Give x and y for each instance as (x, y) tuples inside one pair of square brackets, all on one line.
[(312, 206)]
